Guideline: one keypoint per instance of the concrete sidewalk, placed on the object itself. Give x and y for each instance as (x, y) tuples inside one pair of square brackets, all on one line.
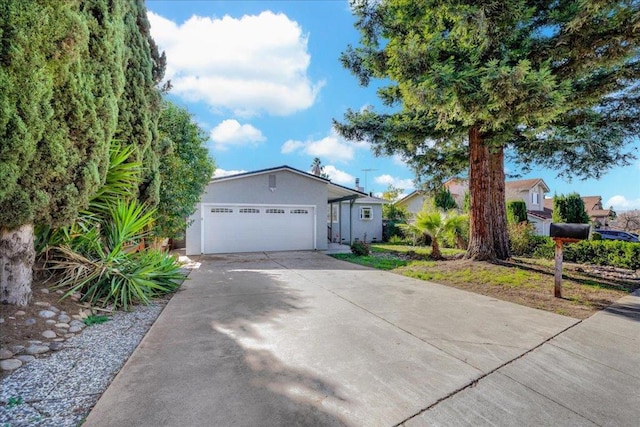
[(299, 338), (588, 375)]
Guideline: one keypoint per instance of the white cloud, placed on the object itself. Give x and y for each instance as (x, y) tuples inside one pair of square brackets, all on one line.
[(248, 65), (290, 146), (621, 203), (398, 160), (332, 148), (219, 173), (387, 180), (338, 176), (231, 132)]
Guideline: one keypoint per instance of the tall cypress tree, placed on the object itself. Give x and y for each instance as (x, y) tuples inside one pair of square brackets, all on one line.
[(569, 208), (140, 105), (61, 74), (554, 83), (72, 73)]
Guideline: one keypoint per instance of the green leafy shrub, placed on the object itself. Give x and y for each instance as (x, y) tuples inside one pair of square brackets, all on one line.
[(524, 242), (389, 229), (521, 238), (596, 236), (544, 247), (569, 209), (360, 248), (613, 253), (396, 240), (516, 211)]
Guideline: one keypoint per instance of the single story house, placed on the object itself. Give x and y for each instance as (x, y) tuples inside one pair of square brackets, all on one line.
[(414, 201), (280, 209)]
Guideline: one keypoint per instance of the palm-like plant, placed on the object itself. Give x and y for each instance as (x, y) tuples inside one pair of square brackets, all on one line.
[(96, 255), (99, 265), (121, 183), (439, 224)]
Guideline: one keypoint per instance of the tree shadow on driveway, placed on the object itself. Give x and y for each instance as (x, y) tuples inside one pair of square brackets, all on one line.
[(206, 362)]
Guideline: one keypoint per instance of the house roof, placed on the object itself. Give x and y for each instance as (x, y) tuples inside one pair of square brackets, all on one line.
[(543, 214), (592, 203), (408, 197), (335, 191), (372, 200), (525, 184), (599, 213), (269, 170)]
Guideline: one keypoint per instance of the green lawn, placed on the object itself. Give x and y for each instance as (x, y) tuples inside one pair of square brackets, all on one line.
[(422, 250), (523, 281), (373, 261)]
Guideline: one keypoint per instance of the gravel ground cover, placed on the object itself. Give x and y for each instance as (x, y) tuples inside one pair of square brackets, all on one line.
[(61, 389)]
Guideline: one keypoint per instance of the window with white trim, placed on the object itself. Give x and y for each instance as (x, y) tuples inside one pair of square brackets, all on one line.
[(274, 211), (249, 210), (221, 210), (366, 213), (534, 198), (299, 211)]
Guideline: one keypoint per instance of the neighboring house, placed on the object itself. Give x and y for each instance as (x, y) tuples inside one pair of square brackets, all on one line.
[(414, 201), (458, 187), (278, 209), (532, 191), (597, 215), (593, 208)]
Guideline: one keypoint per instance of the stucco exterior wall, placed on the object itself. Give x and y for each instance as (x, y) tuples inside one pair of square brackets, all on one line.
[(413, 204), (372, 228), (541, 226), (290, 189)]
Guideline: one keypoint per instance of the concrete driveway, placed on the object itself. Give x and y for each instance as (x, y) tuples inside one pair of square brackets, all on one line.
[(299, 338)]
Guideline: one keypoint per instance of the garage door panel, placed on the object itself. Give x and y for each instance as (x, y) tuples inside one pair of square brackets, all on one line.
[(258, 228)]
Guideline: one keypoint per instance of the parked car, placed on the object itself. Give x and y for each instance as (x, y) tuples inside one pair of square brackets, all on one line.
[(618, 235)]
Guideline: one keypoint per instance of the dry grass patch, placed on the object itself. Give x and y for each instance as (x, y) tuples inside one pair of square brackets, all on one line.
[(523, 281)]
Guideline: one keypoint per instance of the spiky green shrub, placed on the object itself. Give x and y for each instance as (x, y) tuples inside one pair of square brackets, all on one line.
[(103, 263), (121, 182)]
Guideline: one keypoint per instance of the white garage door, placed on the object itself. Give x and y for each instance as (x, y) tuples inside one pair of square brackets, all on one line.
[(231, 228)]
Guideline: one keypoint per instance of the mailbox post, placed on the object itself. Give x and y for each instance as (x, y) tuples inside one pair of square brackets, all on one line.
[(565, 233)]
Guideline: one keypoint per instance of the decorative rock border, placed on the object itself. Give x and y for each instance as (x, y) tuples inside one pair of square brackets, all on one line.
[(62, 327), (60, 390)]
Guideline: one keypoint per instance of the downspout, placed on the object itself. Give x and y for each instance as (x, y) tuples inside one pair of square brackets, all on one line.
[(340, 223), (351, 202), (330, 226)]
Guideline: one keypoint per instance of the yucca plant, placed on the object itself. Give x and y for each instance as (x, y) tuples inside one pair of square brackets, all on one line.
[(100, 265), (121, 183)]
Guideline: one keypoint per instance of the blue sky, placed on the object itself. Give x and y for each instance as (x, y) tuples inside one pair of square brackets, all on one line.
[(263, 79)]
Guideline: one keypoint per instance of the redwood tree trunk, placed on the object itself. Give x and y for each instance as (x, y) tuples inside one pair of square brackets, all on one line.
[(481, 246), (498, 204), (17, 255)]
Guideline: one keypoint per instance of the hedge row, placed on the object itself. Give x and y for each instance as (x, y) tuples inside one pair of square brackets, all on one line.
[(613, 253)]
